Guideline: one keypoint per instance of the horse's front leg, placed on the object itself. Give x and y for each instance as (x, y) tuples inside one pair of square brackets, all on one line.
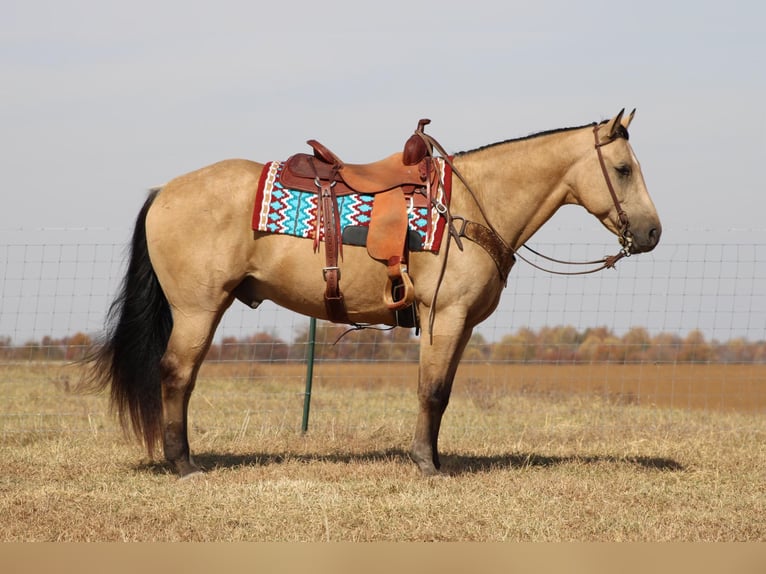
[(438, 363)]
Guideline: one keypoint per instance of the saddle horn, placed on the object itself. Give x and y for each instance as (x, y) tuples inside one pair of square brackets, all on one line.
[(415, 149)]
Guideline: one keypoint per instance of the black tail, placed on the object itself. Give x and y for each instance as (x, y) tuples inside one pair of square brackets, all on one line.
[(137, 333)]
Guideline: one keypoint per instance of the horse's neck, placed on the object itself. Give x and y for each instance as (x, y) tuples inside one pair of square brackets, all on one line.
[(520, 184)]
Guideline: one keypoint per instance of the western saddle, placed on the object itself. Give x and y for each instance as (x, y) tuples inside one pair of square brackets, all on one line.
[(403, 180)]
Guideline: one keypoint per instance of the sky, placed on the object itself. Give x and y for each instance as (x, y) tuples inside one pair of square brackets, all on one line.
[(101, 100)]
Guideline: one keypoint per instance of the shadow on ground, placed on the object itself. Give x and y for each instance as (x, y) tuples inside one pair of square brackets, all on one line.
[(453, 465)]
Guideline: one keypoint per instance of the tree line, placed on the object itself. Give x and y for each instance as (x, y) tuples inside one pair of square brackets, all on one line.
[(549, 345)]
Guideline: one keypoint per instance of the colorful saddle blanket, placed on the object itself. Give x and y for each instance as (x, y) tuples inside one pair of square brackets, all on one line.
[(292, 212)]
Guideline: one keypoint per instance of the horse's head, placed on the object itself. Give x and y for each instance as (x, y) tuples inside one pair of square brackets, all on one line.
[(608, 182)]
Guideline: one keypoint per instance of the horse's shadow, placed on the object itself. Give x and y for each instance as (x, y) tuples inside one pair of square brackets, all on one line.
[(458, 464), (452, 465)]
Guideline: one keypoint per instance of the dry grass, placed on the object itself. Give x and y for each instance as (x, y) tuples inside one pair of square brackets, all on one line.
[(525, 463)]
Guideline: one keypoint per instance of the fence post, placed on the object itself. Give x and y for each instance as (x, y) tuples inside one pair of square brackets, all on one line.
[(309, 373)]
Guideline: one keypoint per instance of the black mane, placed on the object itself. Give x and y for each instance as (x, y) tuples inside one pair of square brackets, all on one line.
[(622, 132)]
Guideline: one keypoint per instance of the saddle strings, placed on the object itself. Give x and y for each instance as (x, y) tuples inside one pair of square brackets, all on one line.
[(362, 327)]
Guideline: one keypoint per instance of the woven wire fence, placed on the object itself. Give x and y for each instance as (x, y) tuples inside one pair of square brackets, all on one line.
[(682, 327)]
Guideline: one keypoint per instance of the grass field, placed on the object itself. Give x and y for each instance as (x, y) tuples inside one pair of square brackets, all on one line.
[(587, 453)]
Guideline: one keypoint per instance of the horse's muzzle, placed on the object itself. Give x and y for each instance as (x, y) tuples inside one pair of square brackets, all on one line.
[(645, 241)]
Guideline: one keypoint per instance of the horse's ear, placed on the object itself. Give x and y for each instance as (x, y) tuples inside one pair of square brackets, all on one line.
[(626, 121), (612, 128)]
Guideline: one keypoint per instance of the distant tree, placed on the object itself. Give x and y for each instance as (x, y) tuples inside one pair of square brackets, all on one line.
[(557, 344), (636, 342), (35, 351), (611, 350), (404, 347), (737, 351), (560, 344), (477, 349), (517, 348), (590, 345), (664, 348), (227, 350), (266, 347), (759, 352), (76, 346), (6, 348), (695, 349)]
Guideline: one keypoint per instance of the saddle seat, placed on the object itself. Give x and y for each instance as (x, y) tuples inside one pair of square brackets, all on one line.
[(397, 182), (408, 170)]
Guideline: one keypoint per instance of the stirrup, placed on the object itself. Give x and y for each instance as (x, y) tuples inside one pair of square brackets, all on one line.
[(407, 297)]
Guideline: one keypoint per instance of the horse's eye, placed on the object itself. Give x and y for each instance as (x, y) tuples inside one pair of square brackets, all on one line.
[(624, 170)]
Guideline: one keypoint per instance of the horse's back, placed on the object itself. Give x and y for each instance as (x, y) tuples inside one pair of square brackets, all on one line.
[(208, 191)]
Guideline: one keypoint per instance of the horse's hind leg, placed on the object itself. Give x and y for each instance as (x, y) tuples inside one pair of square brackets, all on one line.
[(188, 344)]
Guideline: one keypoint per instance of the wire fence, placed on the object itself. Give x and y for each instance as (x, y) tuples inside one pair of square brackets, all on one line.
[(684, 326)]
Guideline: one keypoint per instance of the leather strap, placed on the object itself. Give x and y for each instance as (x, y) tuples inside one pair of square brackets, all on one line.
[(623, 217), (492, 243), (328, 219)]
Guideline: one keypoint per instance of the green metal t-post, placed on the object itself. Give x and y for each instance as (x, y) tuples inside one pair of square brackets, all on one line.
[(309, 373)]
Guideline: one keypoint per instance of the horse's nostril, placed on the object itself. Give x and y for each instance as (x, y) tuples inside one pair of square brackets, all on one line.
[(654, 235)]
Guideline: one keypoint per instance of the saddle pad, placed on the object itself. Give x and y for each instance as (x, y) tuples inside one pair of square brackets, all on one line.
[(291, 212)]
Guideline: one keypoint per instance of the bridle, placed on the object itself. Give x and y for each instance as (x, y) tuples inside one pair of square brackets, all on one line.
[(625, 236)]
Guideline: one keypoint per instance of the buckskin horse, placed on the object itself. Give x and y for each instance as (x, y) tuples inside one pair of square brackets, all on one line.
[(194, 251)]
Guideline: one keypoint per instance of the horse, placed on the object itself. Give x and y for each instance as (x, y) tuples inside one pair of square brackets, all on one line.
[(194, 252)]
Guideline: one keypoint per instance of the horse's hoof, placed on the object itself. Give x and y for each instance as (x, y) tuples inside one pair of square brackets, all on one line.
[(426, 465), (190, 475), (437, 473), (187, 469)]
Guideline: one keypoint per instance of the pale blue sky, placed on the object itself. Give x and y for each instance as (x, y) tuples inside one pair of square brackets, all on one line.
[(101, 100)]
